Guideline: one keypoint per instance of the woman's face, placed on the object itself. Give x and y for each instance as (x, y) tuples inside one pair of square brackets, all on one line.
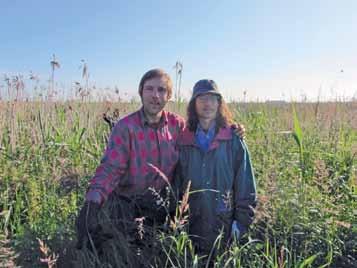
[(207, 106)]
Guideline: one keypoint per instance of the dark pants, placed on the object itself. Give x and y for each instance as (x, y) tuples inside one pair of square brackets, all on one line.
[(127, 230)]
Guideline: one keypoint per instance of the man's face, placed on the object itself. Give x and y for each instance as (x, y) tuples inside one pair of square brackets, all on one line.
[(154, 95), (207, 106)]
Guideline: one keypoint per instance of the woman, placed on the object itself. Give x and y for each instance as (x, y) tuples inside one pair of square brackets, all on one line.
[(217, 163)]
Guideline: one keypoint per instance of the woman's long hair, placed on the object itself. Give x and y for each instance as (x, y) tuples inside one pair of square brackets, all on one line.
[(224, 116)]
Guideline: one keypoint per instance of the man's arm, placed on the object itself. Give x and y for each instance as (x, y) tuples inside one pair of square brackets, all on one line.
[(113, 166)]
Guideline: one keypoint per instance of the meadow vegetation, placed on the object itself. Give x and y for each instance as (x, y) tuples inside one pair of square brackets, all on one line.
[(305, 162)]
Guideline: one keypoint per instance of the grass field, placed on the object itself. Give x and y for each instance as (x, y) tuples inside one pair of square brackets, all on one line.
[(305, 165)]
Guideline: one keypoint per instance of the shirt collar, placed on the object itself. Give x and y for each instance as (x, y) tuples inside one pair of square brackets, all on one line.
[(204, 138), (145, 122), (210, 131)]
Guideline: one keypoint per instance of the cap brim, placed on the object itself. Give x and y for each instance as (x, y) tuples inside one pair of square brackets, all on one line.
[(207, 92)]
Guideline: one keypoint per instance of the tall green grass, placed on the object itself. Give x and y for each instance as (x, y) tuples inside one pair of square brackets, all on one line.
[(304, 160)]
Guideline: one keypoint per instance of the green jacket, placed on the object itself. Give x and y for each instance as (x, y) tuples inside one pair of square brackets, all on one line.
[(224, 183)]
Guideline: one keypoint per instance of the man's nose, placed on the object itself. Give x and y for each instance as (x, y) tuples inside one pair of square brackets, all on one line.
[(155, 93)]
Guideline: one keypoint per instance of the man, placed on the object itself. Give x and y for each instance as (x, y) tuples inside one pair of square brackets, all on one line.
[(124, 187), (216, 162)]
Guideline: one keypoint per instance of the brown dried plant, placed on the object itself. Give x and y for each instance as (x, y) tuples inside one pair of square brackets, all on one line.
[(181, 217), (48, 258), (54, 64)]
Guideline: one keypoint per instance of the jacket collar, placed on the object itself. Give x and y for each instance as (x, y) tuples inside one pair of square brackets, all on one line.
[(187, 137)]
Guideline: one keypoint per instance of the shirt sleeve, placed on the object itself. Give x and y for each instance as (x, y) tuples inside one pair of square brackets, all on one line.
[(245, 198), (114, 164)]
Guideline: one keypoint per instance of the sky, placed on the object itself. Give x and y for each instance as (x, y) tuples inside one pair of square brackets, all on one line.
[(254, 50)]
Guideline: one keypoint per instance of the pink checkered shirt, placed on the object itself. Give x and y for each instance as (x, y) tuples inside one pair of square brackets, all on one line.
[(133, 153)]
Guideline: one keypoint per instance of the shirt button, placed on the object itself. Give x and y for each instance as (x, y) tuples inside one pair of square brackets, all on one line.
[(203, 164)]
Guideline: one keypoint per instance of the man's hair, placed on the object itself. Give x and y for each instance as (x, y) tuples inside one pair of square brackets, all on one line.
[(224, 116), (156, 73)]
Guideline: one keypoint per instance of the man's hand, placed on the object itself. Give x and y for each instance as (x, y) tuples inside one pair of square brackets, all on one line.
[(239, 129), (86, 222)]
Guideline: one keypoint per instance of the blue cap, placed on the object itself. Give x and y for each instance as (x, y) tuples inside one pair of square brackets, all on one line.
[(205, 86)]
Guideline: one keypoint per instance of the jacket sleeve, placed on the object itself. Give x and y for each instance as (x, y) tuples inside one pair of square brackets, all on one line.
[(244, 186), (114, 164)]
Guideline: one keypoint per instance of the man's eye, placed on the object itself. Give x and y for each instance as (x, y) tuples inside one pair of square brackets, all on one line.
[(148, 88), (162, 89)]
